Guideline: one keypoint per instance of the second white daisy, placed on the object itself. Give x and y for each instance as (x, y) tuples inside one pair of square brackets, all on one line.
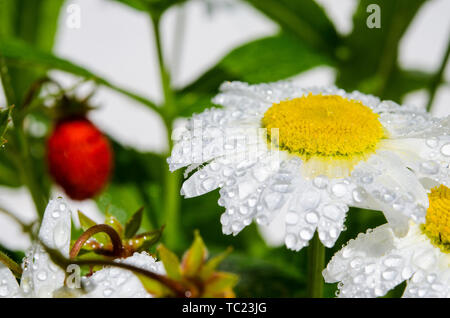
[(376, 262)]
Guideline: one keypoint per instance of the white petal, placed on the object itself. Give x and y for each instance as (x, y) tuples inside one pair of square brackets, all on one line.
[(428, 157), (41, 277), (433, 284), (115, 282), (8, 285), (394, 188), (368, 266), (243, 192)]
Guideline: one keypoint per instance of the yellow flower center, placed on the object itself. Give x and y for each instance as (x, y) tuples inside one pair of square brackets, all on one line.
[(437, 224), (324, 127)]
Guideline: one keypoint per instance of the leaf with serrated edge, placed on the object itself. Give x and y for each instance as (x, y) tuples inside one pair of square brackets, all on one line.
[(154, 287), (112, 221), (211, 265), (171, 262), (194, 257), (219, 284), (134, 223)]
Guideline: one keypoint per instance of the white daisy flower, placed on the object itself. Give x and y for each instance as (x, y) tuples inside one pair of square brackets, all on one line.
[(281, 151), (379, 260), (42, 278)]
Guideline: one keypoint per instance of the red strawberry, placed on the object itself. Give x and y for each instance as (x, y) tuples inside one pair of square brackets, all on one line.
[(79, 157)]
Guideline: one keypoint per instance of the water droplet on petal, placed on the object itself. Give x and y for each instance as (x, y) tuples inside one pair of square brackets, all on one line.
[(306, 234), (429, 167), (60, 234), (445, 150), (389, 274), (290, 241), (320, 182), (312, 217), (42, 275), (432, 142), (107, 292)]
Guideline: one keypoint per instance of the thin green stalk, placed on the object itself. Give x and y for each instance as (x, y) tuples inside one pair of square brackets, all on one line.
[(13, 266), (316, 263), (437, 79), (26, 168), (172, 180)]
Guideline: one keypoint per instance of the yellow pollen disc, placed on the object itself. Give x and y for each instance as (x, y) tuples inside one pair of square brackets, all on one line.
[(437, 224), (327, 129)]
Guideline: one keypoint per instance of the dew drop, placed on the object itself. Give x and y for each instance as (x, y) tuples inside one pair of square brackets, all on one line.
[(445, 150), (208, 184), (42, 275), (262, 220), (237, 226), (4, 291), (389, 274), (312, 217), (359, 194), (429, 167), (290, 240), (243, 210), (60, 234), (432, 142), (224, 220), (306, 234), (321, 182), (339, 189), (107, 292)]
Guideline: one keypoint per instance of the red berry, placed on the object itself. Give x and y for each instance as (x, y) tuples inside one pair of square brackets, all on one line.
[(79, 157)]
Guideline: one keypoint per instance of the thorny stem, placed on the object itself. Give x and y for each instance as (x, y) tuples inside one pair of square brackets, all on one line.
[(98, 228), (316, 262), (63, 262)]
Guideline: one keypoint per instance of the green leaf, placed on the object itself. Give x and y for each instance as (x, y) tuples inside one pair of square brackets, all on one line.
[(85, 221), (171, 262), (305, 19), (220, 283), (112, 221), (369, 56), (194, 257), (212, 264), (154, 287), (134, 223), (20, 54), (146, 240), (265, 60)]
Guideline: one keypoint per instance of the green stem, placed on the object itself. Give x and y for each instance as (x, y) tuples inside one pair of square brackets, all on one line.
[(13, 266), (438, 77), (172, 180), (316, 263), (26, 167)]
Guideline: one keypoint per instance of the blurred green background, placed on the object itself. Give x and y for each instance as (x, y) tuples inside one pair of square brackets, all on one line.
[(366, 59)]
